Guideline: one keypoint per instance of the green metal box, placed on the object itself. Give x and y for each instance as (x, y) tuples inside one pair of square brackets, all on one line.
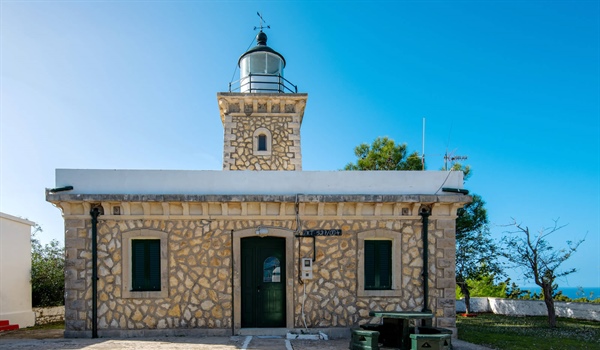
[(430, 341), (364, 340)]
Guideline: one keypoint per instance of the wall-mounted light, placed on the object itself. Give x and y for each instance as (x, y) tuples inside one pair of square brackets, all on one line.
[(262, 231), (60, 189)]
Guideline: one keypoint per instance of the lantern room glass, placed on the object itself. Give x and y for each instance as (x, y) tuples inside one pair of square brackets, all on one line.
[(261, 72), (261, 63)]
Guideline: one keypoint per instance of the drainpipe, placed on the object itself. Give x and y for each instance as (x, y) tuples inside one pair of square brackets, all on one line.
[(424, 212), (94, 213)]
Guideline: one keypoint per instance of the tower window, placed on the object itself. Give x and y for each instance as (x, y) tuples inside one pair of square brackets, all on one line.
[(262, 142)]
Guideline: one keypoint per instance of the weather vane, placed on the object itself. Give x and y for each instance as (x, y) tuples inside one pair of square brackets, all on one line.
[(262, 21)]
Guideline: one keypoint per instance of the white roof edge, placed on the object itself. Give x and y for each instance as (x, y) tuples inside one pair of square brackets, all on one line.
[(216, 182), (16, 219)]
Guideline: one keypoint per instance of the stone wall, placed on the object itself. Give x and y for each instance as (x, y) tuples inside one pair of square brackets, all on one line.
[(279, 115), (200, 264), (331, 297), (45, 315), (285, 139)]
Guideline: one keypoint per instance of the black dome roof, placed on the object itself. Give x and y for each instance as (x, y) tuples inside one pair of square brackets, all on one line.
[(261, 46)]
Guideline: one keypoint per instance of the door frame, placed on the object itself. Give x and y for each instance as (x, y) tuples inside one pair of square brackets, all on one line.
[(237, 272)]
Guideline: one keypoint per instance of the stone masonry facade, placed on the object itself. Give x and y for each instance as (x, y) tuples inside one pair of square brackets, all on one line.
[(278, 116), (199, 233)]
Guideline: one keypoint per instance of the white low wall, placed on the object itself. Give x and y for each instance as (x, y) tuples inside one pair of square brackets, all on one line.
[(516, 307), (477, 305), (45, 315)]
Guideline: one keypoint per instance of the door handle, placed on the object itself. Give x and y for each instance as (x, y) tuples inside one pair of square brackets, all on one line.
[(259, 288)]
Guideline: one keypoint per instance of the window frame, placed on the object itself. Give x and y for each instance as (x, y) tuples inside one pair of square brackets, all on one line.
[(127, 263), (396, 274), (268, 142)]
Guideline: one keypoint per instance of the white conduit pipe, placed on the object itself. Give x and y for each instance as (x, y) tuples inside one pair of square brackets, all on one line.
[(303, 300)]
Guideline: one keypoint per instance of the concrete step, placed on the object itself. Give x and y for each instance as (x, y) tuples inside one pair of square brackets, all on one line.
[(268, 343), (264, 332), (6, 326)]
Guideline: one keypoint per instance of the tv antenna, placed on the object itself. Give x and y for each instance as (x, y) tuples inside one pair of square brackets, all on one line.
[(452, 158), (448, 157), (262, 21)]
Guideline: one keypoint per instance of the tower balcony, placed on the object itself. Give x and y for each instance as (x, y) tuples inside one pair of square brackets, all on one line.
[(263, 83)]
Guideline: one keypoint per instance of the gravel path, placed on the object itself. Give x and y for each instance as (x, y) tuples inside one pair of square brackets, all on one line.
[(53, 340)]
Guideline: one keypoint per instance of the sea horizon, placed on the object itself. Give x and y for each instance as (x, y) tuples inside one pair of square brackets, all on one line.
[(571, 292)]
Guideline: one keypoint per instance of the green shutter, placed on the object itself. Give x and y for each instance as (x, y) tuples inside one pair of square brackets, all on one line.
[(385, 264), (370, 265), (145, 262), (154, 265), (378, 264), (137, 262)]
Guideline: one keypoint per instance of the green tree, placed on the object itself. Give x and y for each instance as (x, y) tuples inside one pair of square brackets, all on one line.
[(466, 169), (384, 154), (476, 251), (47, 272), (485, 286), (514, 292), (538, 259)]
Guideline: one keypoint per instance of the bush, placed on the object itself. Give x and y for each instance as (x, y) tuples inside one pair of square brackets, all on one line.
[(484, 286), (47, 273)]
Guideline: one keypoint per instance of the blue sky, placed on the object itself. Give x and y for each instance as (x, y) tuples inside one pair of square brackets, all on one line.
[(515, 86)]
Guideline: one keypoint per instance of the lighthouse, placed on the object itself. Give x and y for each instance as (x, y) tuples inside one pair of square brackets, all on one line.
[(262, 114)]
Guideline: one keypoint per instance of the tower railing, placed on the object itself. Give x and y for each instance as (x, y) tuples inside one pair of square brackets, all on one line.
[(269, 83)]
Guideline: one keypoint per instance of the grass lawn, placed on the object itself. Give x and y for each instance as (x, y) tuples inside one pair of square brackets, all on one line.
[(516, 333)]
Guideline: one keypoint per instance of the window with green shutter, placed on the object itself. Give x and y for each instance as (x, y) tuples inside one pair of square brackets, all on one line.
[(378, 264), (145, 265)]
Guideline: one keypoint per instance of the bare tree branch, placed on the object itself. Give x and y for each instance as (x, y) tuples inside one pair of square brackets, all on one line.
[(538, 259)]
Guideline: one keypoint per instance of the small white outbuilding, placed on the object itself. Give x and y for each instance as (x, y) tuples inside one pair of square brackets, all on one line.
[(15, 271)]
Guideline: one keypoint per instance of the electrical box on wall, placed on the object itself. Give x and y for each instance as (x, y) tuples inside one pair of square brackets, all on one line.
[(307, 271), (306, 264)]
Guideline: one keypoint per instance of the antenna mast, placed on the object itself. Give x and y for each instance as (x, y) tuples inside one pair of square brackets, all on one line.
[(423, 148)]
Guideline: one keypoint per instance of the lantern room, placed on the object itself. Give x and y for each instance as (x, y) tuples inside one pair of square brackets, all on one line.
[(261, 70)]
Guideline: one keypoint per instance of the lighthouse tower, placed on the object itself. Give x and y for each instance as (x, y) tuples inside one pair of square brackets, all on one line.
[(262, 114)]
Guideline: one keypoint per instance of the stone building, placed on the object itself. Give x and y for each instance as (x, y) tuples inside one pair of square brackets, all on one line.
[(260, 244)]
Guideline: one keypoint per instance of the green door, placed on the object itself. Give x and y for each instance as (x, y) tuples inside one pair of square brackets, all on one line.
[(263, 282)]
